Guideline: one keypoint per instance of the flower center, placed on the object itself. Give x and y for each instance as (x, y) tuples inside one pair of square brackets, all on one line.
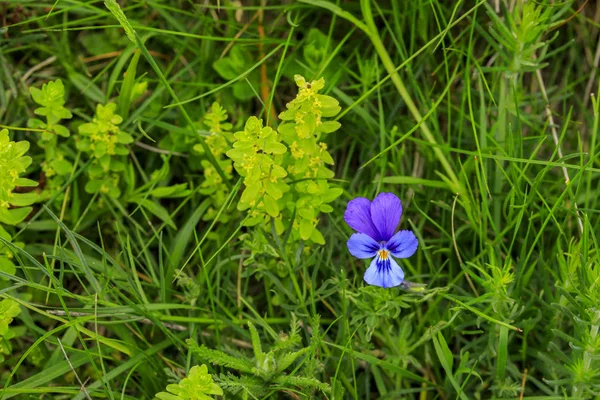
[(383, 254)]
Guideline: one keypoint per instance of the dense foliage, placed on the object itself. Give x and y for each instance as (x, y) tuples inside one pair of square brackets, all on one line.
[(174, 177)]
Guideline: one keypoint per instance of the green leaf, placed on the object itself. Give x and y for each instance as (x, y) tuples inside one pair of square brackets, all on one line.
[(235, 63), (127, 86), (243, 91), (5, 235), (259, 355), (61, 130), (124, 138), (332, 194), (317, 237), (24, 199), (7, 266), (329, 126), (163, 191), (167, 396), (14, 216), (250, 193), (171, 191), (446, 360), (326, 208), (271, 206), (62, 167), (410, 180), (157, 210), (24, 182), (275, 147), (86, 86), (8, 310), (197, 386), (327, 101), (287, 132), (274, 190), (51, 98), (93, 186), (306, 229)]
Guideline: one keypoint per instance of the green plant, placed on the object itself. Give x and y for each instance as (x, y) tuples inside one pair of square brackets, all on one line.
[(372, 306), (14, 207), (198, 385), (105, 143), (520, 35), (267, 370), (579, 287), (264, 161), (237, 62), (218, 140), (316, 52), (306, 162), (9, 309), (56, 165), (13, 163)]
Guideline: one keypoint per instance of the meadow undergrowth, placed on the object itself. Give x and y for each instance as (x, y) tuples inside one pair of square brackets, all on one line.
[(174, 177)]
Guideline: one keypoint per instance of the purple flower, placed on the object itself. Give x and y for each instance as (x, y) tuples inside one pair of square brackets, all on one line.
[(376, 224)]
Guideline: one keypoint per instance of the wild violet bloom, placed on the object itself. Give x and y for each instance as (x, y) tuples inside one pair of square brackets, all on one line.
[(376, 224)]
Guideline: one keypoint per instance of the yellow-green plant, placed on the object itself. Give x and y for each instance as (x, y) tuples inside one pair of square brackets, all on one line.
[(56, 166), (104, 141), (9, 309), (198, 385), (13, 163), (269, 369), (14, 207), (289, 183), (218, 140)]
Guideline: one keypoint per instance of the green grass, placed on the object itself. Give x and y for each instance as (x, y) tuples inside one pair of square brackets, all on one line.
[(482, 120)]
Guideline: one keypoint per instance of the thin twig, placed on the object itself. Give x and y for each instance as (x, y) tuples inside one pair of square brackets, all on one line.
[(160, 151), (83, 389), (556, 141), (117, 53), (37, 67), (237, 35), (523, 384), (593, 73)]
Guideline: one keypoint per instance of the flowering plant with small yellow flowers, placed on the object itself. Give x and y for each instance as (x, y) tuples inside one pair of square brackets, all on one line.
[(285, 171), (14, 207), (104, 141), (56, 165)]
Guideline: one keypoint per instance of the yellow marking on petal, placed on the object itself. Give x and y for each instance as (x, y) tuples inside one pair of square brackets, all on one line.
[(383, 254)]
